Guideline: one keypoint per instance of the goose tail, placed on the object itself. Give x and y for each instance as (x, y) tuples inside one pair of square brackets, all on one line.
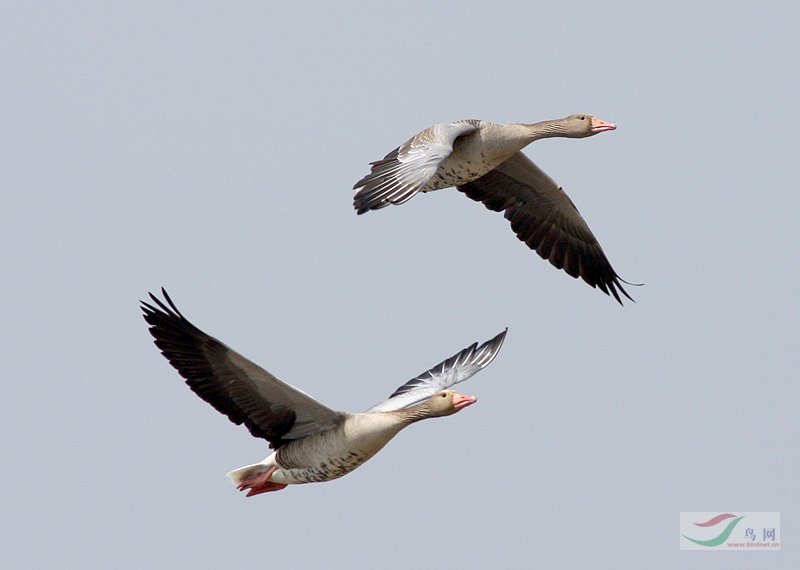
[(239, 476), (255, 479)]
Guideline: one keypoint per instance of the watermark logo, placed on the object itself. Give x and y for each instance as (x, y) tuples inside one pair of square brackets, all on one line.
[(730, 531)]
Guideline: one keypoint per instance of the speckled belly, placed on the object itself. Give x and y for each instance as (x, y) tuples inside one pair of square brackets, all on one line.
[(460, 168), (333, 468)]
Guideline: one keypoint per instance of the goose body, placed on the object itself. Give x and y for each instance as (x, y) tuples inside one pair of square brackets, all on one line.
[(484, 161), (311, 442), (329, 454)]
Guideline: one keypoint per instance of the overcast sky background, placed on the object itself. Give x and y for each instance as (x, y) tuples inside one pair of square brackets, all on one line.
[(212, 150)]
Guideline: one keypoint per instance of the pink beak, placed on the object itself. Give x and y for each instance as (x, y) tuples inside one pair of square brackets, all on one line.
[(462, 401), (599, 126)]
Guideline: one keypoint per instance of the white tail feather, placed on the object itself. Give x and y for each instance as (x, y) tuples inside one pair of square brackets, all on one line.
[(247, 473)]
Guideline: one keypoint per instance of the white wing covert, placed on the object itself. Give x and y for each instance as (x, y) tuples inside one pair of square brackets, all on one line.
[(406, 170)]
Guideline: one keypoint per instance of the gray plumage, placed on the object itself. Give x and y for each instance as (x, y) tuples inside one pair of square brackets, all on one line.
[(312, 442), (483, 160)]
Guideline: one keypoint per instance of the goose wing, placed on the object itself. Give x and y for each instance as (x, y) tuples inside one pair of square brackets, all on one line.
[(407, 169), (455, 369), (544, 217), (235, 386)]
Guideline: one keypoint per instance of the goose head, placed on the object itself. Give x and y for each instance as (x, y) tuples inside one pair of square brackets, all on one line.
[(448, 402), (582, 125)]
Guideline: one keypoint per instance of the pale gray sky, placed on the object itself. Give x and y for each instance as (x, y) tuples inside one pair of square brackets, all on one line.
[(212, 150)]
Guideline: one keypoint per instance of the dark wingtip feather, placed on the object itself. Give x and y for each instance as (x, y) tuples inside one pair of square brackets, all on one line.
[(616, 283), (171, 303), (161, 309), (359, 207)]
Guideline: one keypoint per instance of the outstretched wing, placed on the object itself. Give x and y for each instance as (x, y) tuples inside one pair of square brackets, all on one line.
[(543, 216), (236, 387), (455, 369), (405, 171)]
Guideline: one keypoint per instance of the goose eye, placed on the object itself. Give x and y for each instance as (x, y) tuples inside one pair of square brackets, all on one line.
[(583, 118)]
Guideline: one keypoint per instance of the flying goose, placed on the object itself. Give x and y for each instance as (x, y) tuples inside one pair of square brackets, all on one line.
[(483, 160), (312, 442)]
